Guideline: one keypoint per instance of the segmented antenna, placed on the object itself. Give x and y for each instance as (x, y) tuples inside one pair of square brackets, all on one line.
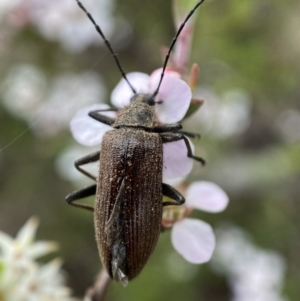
[(107, 44), (173, 43)]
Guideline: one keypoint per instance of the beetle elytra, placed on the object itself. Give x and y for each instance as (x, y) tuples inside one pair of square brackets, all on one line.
[(129, 189)]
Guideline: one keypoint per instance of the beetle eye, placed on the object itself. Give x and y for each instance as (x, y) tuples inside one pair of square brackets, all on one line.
[(150, 101)]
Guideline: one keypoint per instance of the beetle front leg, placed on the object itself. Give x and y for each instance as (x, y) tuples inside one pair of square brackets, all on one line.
[(190, 135), (102, 118), (85, 160), (172, 137), (80, 194), (172, 127), (173, 194)]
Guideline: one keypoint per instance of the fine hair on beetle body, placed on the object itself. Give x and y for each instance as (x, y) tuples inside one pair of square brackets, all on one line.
[(129, 189)]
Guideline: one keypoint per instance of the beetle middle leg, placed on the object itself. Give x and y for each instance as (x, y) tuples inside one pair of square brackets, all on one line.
[(85, 160), (172, 137), (80, 194), (172, 193)]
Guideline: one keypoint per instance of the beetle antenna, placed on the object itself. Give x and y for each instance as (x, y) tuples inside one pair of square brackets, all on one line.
[(107, 44), (173, 43)]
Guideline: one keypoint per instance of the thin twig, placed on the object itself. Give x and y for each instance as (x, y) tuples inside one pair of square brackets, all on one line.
[(98, 291)]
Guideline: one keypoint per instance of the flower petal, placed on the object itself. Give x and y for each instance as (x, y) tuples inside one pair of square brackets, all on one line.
[(174, 98), (194, 240), (122, 93), (88, 131), (176, 163), (27, 233), (174, 182), (6, 243), (41, 248), (156, 74), (206, 196)]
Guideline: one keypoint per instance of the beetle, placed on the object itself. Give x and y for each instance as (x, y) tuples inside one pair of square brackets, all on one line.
[(129, 189)]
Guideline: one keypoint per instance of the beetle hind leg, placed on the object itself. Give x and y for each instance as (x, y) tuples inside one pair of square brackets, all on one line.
[(172, 193)]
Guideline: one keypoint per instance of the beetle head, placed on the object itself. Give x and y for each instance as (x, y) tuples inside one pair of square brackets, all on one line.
[(143, 98), (139, 113)]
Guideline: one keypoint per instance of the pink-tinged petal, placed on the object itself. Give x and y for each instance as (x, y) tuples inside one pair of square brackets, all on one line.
[(174, 98), (194, 240), (122, 93), (206, 196), (176, 163), (87, 130), (156, 74), (174, 182)]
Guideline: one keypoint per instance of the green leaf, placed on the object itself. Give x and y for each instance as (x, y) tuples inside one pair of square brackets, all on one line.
[(194, 106)]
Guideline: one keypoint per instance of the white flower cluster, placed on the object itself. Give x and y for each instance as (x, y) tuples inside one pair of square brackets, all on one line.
[(254, 274), (21, 277)]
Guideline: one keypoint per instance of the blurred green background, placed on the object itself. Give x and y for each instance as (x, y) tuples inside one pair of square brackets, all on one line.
[(248, 52)]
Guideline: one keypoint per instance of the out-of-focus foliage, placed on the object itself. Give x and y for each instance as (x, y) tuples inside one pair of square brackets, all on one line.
[(248, 52)]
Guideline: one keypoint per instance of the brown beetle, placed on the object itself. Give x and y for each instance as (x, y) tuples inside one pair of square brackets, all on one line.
[(129, 189)]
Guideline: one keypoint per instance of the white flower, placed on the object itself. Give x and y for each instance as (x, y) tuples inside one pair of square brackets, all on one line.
[(21, 277), (173, 101), (194, 239), (23, 247)]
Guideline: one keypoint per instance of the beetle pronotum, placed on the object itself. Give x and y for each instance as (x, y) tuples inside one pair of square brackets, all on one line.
[(129, 188)]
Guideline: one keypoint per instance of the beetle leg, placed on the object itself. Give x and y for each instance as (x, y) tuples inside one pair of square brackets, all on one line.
[(172, 193), (85, 160), (174, 127), (116, 209), (190, 135), (102, 118), (167, 128), (172, 137), (80, 194)]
